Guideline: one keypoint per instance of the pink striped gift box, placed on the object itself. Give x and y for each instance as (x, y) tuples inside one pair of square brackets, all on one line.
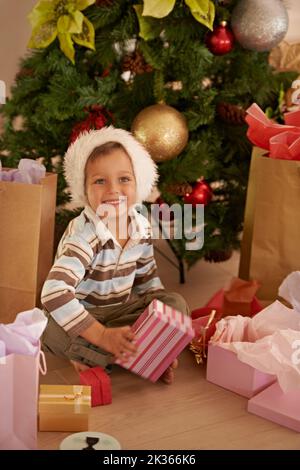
[(161, 333)]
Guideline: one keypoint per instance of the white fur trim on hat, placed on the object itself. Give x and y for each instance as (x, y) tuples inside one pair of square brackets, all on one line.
[(76, 157)]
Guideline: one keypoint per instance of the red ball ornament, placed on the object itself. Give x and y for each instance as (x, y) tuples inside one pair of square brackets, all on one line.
[(201, 194), (220, 41)]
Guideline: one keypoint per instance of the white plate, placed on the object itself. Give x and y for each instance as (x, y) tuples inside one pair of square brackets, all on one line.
[(77, 441)]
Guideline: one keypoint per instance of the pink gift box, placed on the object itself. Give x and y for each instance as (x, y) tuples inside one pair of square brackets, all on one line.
[(227, 371), (161, 333), (278, 406)]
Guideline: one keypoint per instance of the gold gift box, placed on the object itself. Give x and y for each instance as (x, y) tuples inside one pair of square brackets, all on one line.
[(64, 407)]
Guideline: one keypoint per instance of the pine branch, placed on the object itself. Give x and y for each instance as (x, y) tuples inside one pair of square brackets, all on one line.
[(106, 15), (99, 93)]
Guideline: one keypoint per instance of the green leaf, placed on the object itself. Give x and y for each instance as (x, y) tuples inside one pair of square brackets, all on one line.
[(198, 6), (77, 20), (63, 24), (87, 36), (203, 11), (66, 46), (149, 28), (70, 23), (83, 4), (158, 8), (42, 12), (42, 35)]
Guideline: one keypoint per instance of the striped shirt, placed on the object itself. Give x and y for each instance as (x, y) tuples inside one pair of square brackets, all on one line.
[(92, 269)]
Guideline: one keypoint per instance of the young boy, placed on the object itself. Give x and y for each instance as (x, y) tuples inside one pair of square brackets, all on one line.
[(104, 274)]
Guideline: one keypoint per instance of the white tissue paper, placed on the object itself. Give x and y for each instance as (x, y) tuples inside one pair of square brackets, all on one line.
[(290, 289), (29, 171), (269, 342), (23, 335)]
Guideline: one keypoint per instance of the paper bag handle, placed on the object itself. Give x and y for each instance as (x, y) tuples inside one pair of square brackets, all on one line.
[(42, 363)]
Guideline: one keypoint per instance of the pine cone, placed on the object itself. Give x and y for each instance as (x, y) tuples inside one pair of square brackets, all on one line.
[(231, 113), (180, 189), (218, 256), (136, 64), (25, 72)]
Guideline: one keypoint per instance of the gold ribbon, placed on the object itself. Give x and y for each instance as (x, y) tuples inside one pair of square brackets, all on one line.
[(198, 346), (77, 398)]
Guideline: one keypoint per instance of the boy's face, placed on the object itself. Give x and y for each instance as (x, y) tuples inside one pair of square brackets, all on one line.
[(110, 180)]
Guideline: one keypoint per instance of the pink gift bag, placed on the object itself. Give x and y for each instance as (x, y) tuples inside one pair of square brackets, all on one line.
[(19, 373)]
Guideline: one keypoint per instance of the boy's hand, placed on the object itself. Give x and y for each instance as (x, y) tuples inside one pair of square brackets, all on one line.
[(118, 341)]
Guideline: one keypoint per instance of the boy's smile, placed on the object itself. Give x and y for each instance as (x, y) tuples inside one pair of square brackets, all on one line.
[(110, 180)]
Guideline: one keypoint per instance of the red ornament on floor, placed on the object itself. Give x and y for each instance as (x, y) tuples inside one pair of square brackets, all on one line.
[(100, 383), (220, 41), (201, 194)]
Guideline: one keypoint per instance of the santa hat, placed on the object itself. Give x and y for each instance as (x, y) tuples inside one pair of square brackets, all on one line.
[(76, 157)]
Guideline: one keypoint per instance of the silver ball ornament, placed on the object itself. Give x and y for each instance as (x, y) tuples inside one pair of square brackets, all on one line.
[(259, 25)]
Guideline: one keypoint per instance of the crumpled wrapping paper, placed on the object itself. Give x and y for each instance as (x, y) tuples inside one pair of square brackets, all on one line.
[(269, 342), (23, 335)]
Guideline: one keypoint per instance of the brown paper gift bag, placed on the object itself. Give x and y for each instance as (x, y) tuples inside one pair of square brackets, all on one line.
[(270, 246), (27, 213)]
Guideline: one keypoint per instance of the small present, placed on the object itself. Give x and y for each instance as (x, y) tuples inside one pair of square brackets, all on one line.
[(100, 384), (64, 407), (161, 333), (226, 370), (277, 406), (236, 299), (239, 298)]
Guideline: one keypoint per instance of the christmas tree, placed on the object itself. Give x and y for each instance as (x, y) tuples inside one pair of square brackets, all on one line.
[(95, 63)]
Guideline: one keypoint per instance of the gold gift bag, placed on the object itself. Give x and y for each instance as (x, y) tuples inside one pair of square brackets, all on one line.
[(271, 241), (27, 213)]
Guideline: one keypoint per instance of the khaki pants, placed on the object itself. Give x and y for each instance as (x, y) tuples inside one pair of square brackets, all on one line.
[(56, 341)]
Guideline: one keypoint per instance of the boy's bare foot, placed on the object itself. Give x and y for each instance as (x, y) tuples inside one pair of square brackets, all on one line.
[(79, 367), (168, 375)]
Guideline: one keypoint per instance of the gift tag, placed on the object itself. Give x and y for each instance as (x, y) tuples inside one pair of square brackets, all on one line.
[(90, 441)]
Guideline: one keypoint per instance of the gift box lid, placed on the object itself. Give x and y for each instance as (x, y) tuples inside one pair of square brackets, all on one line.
[(166, 314), (66, 398), (161, 333)]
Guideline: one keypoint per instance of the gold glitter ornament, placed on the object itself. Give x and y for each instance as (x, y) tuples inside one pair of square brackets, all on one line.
[(162, 130)]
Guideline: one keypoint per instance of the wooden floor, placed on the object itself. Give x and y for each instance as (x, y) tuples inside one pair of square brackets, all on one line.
[(191, 413)]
